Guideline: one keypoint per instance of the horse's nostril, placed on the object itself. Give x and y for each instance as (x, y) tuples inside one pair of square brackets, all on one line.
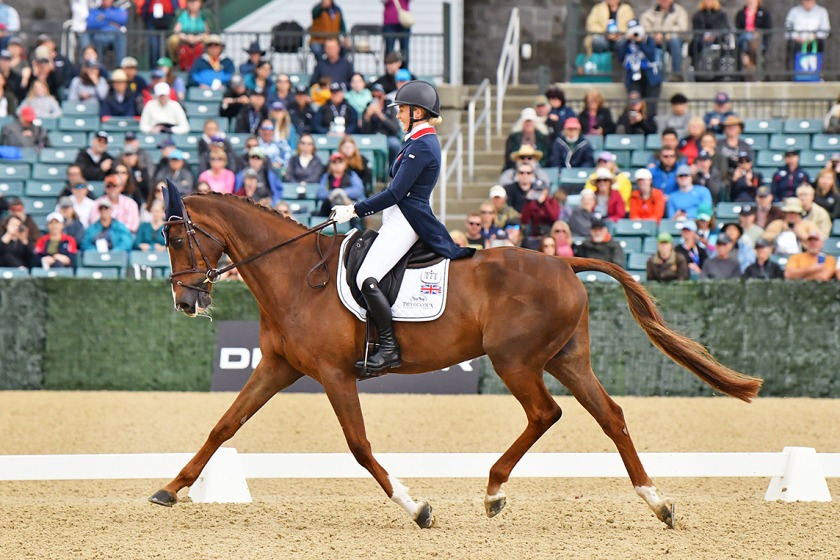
[(181, 306)]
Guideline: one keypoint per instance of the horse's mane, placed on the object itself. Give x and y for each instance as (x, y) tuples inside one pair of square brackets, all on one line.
[(251, 202)]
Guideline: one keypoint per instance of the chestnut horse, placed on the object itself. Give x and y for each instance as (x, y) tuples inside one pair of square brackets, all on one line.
[(546, 327)]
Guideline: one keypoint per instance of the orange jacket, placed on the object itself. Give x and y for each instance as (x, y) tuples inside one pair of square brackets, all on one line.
[(650, 209)]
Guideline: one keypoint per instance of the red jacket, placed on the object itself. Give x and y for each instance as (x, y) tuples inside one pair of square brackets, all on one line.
[(650, 209), (541, 216), (616, 209)]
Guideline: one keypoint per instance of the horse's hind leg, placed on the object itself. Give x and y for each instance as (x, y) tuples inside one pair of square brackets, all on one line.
[(572, 368), (269, 377), (541, 410)]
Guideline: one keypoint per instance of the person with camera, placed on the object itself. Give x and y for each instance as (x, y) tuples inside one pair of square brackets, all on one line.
[(15, 248), (538, 214), (605, 24), (641, 68), (336, 117), (668, 21), (745, 180), (636, 118)]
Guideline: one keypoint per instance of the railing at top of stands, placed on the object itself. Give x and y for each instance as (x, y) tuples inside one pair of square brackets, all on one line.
[(456, 138), (508, 67), (473, 123)]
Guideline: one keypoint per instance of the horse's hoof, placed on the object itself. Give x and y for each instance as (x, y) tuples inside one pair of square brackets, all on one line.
[(665, 513), (425, 518), (495, 505), (164, 498)]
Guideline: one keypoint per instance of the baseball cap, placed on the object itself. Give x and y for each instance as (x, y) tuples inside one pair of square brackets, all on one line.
[(278, 106), (301, 90), (377, 88), (599, 224), (257, 91), (256, 152), (165, 143), (236, 80), (392, 57), (723, 239), (103, 135), (164, 61), (744, 156), (130, 136), (162, 89), (664, 237), (336, 155), (644, 173), (498, 191), (250, 172), (335, 86), (572, 122), (703, 155), (703, 217), (763, 190), (130, 149), (747, 209), (158, 74), (118, 75), (634, 97), (683, 170), (403, 75), (721, 98), (128, 62), (177, 154), (90, 63), (791, 152), (540, 100), (27, 113), (689, 225), (66, 201), (55, 216), (105, 203), (763, 243), (605, 156)]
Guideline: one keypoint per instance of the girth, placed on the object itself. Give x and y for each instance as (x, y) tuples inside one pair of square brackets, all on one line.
[(419, 256)]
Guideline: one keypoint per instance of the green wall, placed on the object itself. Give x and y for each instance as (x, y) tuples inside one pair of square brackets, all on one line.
[(67, 333)]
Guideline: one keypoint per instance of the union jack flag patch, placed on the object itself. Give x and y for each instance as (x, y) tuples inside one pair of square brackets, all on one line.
[(430, 289)]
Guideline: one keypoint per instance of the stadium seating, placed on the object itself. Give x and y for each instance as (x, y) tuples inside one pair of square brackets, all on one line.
[(38, 272), (811, 158), (98, 273), (802, 126), (68, 139), (624, 142), (674, 227), (202, 110), (762, 126), (727, 211), (653, 142), (15, 171), (638, 228), (11, 188), (783, 142), (121, 124), (301, 206), (80, 108), (757, 142), (835, 227), (640, 158), (58, 155), (637, 261), (302, 190), (629, 244), (72, 124), (114, 260), (780, 260), (49, 172), (204, 95), (639, 275), (650, 246), (596, 140), (770, 159), (573, 180), (832, 246), (8, 272), (38, 206), (157, 261), (595, 277), (43, 189), (825, 142)]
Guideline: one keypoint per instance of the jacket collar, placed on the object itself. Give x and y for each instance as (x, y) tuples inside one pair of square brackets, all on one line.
[(419, 131)]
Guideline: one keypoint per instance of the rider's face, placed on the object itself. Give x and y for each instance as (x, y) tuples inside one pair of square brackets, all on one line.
[(404, 116)]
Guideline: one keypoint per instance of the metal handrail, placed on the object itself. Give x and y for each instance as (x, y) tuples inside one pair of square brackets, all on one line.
[(508, 64), (457, 138), (473, 123)]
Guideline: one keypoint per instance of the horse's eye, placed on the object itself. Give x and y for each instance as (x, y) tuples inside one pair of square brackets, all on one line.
[(178, 242)]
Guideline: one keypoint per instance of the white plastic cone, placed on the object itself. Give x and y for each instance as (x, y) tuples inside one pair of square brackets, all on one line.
[(803, 480), (222, 480)]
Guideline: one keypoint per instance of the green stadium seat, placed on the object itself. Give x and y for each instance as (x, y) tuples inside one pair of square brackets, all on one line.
[(574, 179), (9, 272), (121, 124), (11, 188), (303, 190), (203, 110), (766, 174), (780, 260), (829, 142), (204, 95), (237, 139), (97, 188), (674, 227), (302, 206), (781, 142), (197, 123), (39, 272), (186, 141), (80, 108), (650, 246), (58, 155), (6, 120), (38, 206), (832, 246), (640, 158), (629, 244), (762, 126), (50, 123), (27, 155), (726, 211), (596, 140), (318, 220), (150, 140), (624, 142), (74, 124), (323, 142), (639, 275), (653, 142), (44, 189), (802, 126), (50, 172), (553, 177), (757, 141), (770, 159), (811, 158), (835, 227), (595, 277), (14, 171), (67, 139), (156, 260), (622, 158), (97, 273), (636, 228), (301, 79), (114, 260), (637, 261)]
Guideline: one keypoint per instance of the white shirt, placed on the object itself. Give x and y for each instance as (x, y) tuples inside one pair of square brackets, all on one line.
[(155, 113), (807, 22)]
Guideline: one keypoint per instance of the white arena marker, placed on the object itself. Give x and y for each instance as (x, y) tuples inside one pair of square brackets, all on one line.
[(222, 480), (803, 480)]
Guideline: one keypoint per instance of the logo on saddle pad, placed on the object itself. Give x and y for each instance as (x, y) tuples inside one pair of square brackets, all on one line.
[(422, 295)]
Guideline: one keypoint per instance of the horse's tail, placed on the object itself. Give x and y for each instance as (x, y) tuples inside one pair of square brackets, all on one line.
[(679, 348)]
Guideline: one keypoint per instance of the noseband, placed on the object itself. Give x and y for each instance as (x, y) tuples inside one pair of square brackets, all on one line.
[(212, 274)]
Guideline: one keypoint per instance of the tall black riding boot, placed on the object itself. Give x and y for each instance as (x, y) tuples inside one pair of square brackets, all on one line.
[(388, 354)]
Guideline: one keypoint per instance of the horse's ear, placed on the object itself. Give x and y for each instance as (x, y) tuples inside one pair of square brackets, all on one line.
[(172, 200)]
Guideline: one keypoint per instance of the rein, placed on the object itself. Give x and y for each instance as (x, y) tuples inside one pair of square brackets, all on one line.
[(213, 274)]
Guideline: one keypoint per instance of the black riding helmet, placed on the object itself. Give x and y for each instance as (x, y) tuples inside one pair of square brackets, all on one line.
[(418, 94)]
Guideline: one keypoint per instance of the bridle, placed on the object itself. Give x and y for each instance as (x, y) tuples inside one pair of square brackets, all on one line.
[(212, 274)]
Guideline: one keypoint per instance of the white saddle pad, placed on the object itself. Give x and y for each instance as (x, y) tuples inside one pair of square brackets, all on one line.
[(422, 294)]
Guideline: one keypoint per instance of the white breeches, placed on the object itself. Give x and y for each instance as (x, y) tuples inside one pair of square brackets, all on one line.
[(396, 236)]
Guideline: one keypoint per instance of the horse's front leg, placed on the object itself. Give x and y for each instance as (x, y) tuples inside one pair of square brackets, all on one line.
[(273, 374), (345, 402)]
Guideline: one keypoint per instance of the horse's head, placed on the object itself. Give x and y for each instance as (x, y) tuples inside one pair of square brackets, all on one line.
[(194, 253)]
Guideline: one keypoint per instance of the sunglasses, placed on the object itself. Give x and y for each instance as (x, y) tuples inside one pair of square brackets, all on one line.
[(669, 156), (255, 157), (266, 128), (603, 180), (487, 212), (473, 223), (110, 186), (526, 157)]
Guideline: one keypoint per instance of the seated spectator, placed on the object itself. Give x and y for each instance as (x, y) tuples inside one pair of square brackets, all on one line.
[(304, 166), (745, 180), (805, 24), (636, 119), (333, 65), (689, 146), (162, 115), (95, 161), (15, 244), (8, 97), (641, 66), (827, 195), (669, 140), (211, 70), (473, 235), (753, 23), (23, 132), (664, 171), (82, 202), (724, 265), (583, 216), (746, 219), (813, 212), (514, 234), (489, 230), (595, 118), (561, 233), (766, 212), (811, 264), (517, 192), (529, 130), (691, 248), (788, 178), (378, 118), (678, 118), (301, 111), (503, 213), (608, 201), (688, 198), (89, 85), (831, 121), (255, 55), (212, 136), (763, 268), (234, 98), (251, 187), (732, 145), (150, 233), (622, 184), (538, 214), (339, 185), (646, 202), (320, 92), (178, 172), (260, 79), (358, 96), (668, 23), (123, 207), (158, 76), (203, 187), (706, 228), (667, 264), (136, 82), (137, 177), (570, 148), (193, 26), (72, 223), (742, 248), (527, 154), (106, 233), (393, 63), (277, 151), (356, 162), (543, 109), (218, 177), (715, 118), (56, 249), (606, 24), (10, 19), (267, 179), (283, 91), (548, 246), (559, 111), (119, 101), (43, 69), (250, 143), (176, 83), (707, 176), (40, 99), (106, 28), (336, 117), (156, 194), (601, 246), (834, 166), (784, 232), (709, 25)]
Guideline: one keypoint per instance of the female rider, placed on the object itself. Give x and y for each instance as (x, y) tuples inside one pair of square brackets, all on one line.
[(406, 214)]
